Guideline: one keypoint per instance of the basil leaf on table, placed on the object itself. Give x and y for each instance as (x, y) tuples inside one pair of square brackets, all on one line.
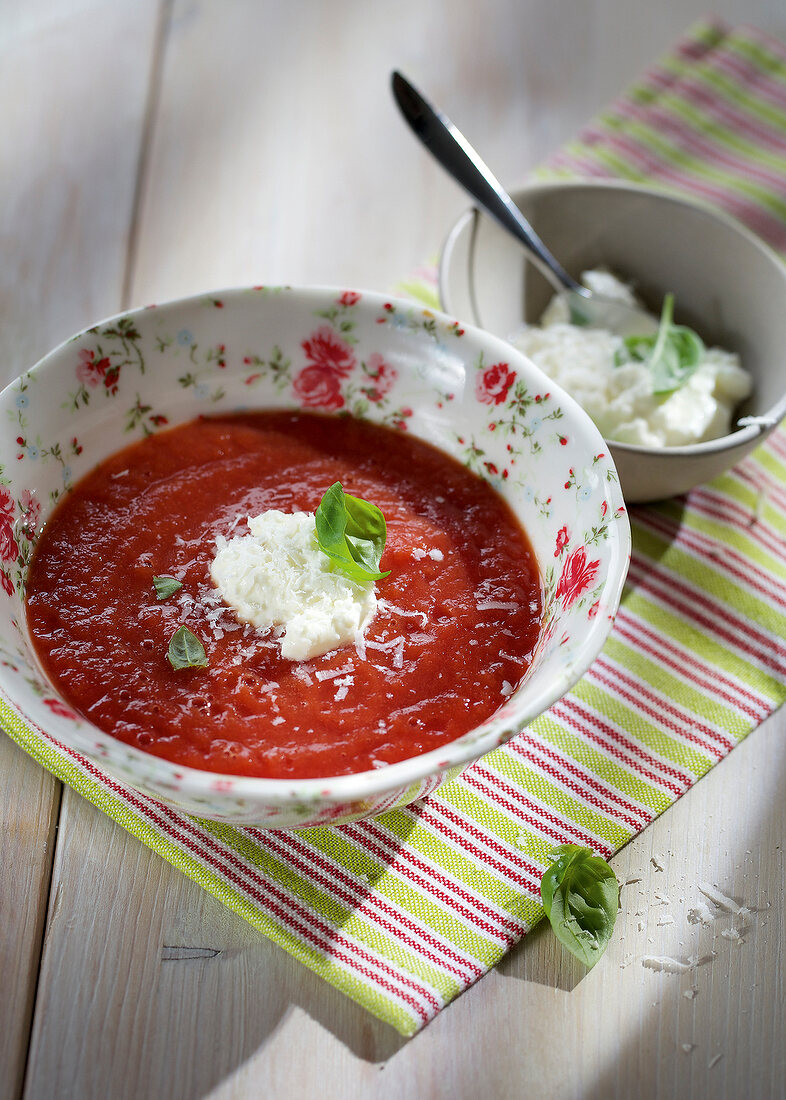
[(352, 532), (672, 353), (581, 895), (166, 587), (186, 650)]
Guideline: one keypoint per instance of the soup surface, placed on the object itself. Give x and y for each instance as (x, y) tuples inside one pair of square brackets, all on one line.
[(457, 619)]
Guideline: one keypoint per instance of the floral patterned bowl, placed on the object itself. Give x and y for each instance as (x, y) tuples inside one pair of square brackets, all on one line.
[(386, 360)]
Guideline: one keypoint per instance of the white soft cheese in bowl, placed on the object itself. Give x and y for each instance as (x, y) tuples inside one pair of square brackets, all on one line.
[(597, 368), (277, 579)]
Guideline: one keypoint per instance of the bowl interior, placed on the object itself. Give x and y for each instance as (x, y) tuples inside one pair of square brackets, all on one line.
[(462, 390), (727, 283)]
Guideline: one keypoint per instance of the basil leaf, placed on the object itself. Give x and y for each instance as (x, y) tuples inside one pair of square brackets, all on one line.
[(672, 354), (352, 532), (580, 894), (577, 316), (681, 356), (186, 650), (166, 587)]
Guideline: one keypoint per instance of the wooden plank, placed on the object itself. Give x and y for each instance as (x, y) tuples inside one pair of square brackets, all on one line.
[(29, 803), (278, 153), (74, 93), (68, 154)]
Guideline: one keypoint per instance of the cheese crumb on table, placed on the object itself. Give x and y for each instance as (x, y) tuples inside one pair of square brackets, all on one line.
[(276, 578)]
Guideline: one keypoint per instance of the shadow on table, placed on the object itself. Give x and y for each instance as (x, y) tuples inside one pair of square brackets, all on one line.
[(230, 1008), (540, 958), (245, 1011), (367, 1038), (670, 1025), (296, 987)]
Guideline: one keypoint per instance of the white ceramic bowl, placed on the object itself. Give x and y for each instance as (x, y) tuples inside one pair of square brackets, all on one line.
[(246, 349), (727, 283)]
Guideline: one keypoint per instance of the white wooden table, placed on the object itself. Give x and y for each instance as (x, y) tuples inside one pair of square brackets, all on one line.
[(154, 148)]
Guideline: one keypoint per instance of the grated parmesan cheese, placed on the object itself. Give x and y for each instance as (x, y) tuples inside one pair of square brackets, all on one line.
[(386, 605), (276, 578), (418, 553)]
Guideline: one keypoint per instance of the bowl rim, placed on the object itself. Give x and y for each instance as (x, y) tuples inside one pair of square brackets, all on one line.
[(358, 786), (759, 425)]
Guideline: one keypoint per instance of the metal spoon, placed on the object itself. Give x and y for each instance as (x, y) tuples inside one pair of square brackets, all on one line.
[(449, 146)]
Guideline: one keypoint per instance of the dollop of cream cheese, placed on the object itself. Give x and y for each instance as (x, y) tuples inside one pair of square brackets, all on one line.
[(595, 369), (276, 578)]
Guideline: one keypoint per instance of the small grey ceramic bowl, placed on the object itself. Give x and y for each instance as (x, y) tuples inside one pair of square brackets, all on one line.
[(728, 285)]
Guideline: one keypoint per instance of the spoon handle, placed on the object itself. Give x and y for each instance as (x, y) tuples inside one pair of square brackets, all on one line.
[(449, 146)]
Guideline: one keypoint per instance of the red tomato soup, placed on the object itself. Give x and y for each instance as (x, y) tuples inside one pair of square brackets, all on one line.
[(457, 620)]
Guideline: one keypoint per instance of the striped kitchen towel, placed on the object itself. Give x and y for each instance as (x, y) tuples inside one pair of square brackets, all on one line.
[(405, 911)]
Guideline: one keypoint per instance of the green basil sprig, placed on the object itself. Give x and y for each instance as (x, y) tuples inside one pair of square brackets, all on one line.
[(186, 650), (581, 895), (672, 353), (352, 532), (166, 587)]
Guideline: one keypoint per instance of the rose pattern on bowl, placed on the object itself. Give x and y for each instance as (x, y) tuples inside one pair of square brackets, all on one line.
[(19, 524), (98, 369), (332, 378), (343, 353)]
